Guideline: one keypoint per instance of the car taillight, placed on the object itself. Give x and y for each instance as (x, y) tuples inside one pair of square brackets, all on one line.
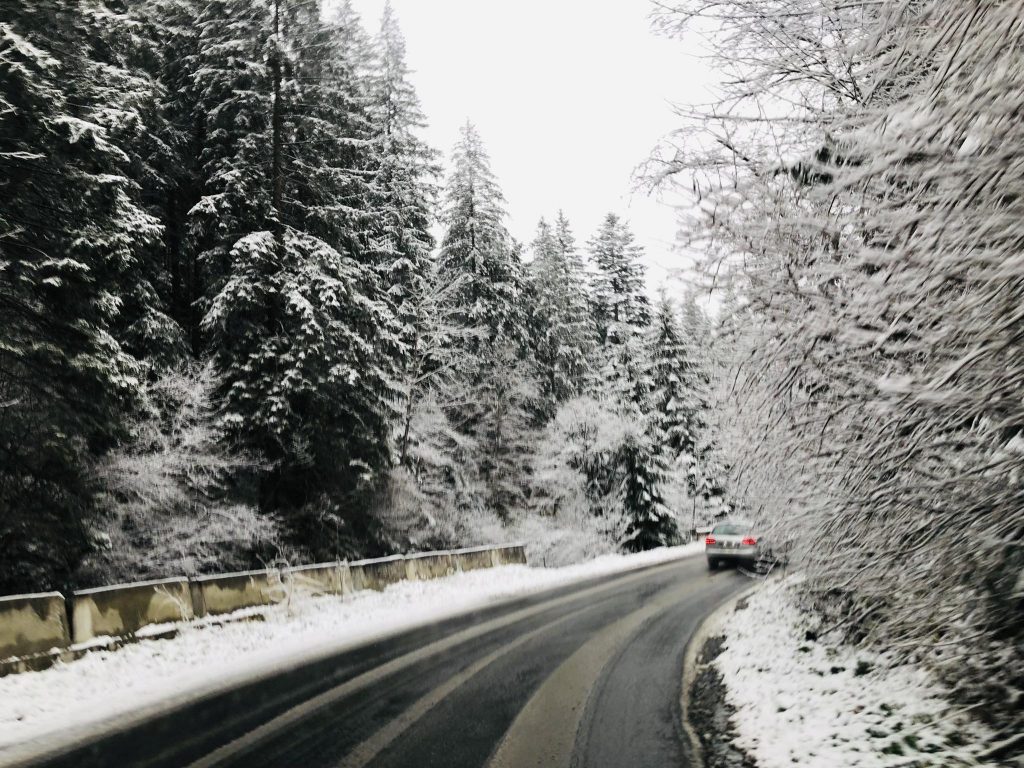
[(749, 541), (709, 540)]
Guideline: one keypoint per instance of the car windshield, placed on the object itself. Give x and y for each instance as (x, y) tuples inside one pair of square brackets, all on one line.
[(730, 529)]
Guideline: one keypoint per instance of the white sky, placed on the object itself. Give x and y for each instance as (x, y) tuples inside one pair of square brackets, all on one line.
[(569, 96)]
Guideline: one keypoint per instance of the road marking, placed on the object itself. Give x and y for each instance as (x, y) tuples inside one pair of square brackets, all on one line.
[(383, 738), (544, 732), (303, 710)]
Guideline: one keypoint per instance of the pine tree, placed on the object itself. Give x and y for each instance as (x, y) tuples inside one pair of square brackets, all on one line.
[(166, 37), (622, 316), (476, 250), (480, 261), (127, 100), (621, 313), (404, 175), (644, 470), (404, 194), (302, 338), (69, 232), (232, 103), (560, 323), (618, 283), (677, 394)]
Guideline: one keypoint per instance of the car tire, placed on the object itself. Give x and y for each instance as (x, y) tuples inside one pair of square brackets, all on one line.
[(712, 564)]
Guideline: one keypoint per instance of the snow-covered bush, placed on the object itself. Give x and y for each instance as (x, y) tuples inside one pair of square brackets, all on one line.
[(579, 471), (167, 502), (860, 193)]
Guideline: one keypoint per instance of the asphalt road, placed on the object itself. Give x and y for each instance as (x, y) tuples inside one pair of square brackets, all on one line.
[(588, 675)]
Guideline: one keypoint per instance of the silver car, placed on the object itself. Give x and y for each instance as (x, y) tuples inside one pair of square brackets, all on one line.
[(732, 543)]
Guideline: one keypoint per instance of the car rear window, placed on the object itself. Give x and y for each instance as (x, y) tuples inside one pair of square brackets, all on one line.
[(730, 529)]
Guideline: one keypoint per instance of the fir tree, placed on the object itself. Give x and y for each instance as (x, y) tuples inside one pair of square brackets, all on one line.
[(618, 283), (476, 250), (70, 230), (405, 171), (621, 313), (644, 469), (128, 100), (480, 261), (677, 388), (304, 344), (622, 316), (561, 326)]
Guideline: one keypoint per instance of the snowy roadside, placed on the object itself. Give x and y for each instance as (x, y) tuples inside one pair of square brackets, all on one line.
[(77, 694), (799, 700)]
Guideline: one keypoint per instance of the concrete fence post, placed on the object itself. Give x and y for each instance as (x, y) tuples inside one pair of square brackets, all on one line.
[(123, 609), (32, 624)]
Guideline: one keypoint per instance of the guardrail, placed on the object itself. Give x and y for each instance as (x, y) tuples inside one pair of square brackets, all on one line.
[(40, 629)]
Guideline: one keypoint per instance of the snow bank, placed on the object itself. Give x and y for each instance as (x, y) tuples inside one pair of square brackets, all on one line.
[(811, 703), (106, 684)]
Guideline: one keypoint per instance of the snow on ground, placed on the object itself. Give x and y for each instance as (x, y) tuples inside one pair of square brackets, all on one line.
[(105, 684), (815, 703)]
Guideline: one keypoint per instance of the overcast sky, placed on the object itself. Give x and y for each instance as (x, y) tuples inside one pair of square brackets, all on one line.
[(569, 97)]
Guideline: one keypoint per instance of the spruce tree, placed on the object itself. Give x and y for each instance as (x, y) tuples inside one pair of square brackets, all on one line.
[(560, 323), (404, 174), (644, 469), (622, 316), (404, 195), (619, 301), (302, 338), (621, 313), (128, 100), (482, 265), (476, 250), (70, 231), (676, 397)]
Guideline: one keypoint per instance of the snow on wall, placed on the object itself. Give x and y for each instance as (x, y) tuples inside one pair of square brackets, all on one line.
[(122, 610)]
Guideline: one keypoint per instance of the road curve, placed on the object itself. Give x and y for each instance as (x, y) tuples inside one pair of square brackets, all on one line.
[(587, 675)]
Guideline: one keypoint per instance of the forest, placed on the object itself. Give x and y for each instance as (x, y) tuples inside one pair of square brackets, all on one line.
[(247, 316)]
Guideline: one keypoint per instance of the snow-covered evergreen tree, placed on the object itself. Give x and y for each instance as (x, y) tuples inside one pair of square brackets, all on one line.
[(125, 98), (621, 313), (70, 230), (561, 327), (304, 342), (476, 250), (678, 394), (480, 260), (404, 175), (618, 294)]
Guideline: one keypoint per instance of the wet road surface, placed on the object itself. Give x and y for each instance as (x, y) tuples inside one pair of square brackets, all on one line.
[(586, 675)]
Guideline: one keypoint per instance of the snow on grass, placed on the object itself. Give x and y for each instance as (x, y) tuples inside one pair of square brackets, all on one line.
[(811, 702), (106, 684)]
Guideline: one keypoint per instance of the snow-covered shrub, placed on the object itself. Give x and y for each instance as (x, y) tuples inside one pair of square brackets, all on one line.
[(169, 502), (579, 473), (860, 193), (576, 510)]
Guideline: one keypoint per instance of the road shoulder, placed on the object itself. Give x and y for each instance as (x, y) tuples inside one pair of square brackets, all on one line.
[(706, 714), (782, 690)]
